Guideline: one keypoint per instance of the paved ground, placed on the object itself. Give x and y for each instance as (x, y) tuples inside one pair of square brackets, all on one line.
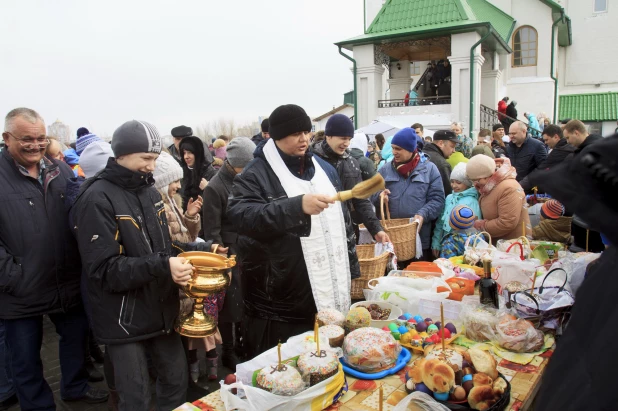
[(51, 365)]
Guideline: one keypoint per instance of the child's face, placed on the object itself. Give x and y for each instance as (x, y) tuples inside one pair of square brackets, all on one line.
[(458, 186), (173, 188)]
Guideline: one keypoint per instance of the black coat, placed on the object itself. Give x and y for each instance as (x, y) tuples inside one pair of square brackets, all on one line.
[(368, 167), (350, 174), (208, 156), (511, 111), (258, 138), (437, 157), (526, 158), (560, 152), (193, 176), (125, 245), (39, 260), (275, 280), (592, 138), (218, 228), (497, 149)]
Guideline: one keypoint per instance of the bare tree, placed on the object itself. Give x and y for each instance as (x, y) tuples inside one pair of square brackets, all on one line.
[(224, 126)]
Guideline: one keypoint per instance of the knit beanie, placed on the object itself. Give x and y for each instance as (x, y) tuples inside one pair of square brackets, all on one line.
[(287, 120), (136, 137), (218, 143), (481, 149), (166, 171), (497, 127), (459, 174), (461, 218), (339, 125), (405, 138), (182, 131), (82, 131), (552, 209), (240, 152), (264, 125), (94, 157), (480, 166), (84, 141)]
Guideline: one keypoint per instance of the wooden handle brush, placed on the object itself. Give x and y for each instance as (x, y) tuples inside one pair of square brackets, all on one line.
[(362, 190)]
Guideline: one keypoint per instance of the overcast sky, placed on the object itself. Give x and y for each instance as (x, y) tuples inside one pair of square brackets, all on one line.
[(100, 63)]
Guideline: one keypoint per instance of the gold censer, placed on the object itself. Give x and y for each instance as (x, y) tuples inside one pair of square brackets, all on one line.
[(209, 277)]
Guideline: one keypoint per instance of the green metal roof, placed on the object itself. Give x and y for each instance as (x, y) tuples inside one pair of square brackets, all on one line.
[(565, 32), (399, 18), (589, 107)]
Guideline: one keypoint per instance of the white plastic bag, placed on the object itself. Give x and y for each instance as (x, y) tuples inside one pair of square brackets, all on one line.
[(579, 270), (419, 244), (510, 268), (404, 292), (419, 401)]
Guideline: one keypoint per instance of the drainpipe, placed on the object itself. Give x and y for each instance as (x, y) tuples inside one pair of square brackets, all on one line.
[(472, 102), (355, 93), (553, 77)]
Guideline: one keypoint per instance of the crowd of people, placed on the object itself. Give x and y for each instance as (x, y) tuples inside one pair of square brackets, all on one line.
[(90, 236)]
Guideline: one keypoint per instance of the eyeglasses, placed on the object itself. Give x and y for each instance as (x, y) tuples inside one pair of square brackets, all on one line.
[(30, 143)]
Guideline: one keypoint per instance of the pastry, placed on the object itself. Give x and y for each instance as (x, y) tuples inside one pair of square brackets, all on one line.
[(318, 366), (482, 397), (280, 380), (370, 350), (334, 333), (500, 385), (480, 378), (484, 362), (357, 318), (438, 376), (330, 316), (450, 356)]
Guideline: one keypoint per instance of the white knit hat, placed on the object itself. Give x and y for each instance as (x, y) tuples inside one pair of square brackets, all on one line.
[(459, 174), (94, 157), (167, 171)]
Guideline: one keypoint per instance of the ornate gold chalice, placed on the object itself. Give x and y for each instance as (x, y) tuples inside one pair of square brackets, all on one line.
[(209, 277)]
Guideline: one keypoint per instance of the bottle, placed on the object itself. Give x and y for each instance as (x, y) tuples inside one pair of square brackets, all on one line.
[(488, 288)]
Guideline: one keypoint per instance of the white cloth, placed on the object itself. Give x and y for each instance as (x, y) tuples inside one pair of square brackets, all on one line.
[(326, 248)]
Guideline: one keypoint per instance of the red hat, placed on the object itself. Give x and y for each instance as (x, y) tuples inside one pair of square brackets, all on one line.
[(552, 209)]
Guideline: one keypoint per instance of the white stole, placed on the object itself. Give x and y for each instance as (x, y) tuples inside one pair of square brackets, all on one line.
[(326, 249)]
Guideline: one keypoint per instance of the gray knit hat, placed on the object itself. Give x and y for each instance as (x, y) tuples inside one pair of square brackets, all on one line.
[(166, 171), (240, 152), (136, 137), (94, 157)]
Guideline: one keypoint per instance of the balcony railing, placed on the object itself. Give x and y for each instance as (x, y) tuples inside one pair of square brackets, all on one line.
[(419, 101), (489, 117)]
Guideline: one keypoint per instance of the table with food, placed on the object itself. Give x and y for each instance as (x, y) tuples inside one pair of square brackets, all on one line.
[(474, 332)]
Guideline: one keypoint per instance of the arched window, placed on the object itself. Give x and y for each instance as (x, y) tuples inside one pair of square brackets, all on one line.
[(525, 47)]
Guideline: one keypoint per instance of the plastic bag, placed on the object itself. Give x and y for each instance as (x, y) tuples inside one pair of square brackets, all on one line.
[(518, 335), (380, 248), (476, 248), (419, 401), (579, 270), (404, 292), (516, 247), (509, 268), (479, 321)]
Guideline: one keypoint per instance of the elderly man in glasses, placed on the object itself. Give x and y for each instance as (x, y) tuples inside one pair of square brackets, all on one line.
[(40, 267)]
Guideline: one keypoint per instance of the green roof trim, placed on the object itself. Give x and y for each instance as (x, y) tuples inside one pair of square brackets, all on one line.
[(565, 30), (589, 107), (405, 18)]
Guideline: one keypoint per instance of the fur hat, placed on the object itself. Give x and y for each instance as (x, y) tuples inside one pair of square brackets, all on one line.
[(459, 174), (136, 137), (480, 166), (287, 120), (218, 143), (406, 139), (166, 171), (94, 157), (552, 209), (240, 152), (461, 218)]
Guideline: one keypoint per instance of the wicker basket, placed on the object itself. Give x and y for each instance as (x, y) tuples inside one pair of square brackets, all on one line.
[(401, 232), (370, 267)]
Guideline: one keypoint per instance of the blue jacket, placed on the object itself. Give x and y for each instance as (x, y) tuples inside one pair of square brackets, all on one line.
[(421, 193), (534, 123), (470, 198), (386, 153)]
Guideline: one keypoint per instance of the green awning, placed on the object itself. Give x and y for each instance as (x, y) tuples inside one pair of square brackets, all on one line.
[(589, 107)]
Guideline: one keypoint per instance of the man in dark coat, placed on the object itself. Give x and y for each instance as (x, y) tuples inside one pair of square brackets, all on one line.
[(132, 274), (40, 266), (576, 378), (264, 135), (281, 235), (196, 168), (333, 149), (526, 153), (511, 112), (560, 150), (576, 134), (218, 228), (443, 146)]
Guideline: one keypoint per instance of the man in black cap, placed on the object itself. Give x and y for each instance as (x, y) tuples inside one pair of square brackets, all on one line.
[(442, 147), (259, 137), (293, 248), (180, 132), (576, 378), (497, 141)]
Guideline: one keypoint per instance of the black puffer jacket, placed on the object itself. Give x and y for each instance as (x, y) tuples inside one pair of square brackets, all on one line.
[(497, 149), (193, 176), (368, 168), (560, 152), (39, 261), (125, 246), (350, 174), (275, 280), (526, 158), (437, 157)]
